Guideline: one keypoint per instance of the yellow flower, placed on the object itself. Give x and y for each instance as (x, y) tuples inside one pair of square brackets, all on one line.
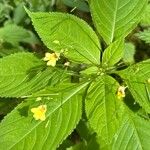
[(39, 112), (51, 58), (121, 92)]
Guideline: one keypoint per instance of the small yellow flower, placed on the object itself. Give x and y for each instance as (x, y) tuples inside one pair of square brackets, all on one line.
[(51, 58), (39, 112), (121, 92)]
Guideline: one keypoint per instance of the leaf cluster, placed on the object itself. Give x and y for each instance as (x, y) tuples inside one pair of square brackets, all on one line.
[(84, 110)]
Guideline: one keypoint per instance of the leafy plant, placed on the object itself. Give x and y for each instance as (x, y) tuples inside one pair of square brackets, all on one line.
[(145, 35), (95, 90), (14, 34)]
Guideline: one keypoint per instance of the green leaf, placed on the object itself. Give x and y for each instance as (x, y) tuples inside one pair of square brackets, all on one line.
[(79, 4), (144, 35), (5, 10), (14, 34), (90, 70), (136, 77), (129, 53), (133, 134), (146, 16), (65, 32), (19, 130), (19, 75), (19, 13), (113, 53), (7, 51), (102, 108), (116, 18)]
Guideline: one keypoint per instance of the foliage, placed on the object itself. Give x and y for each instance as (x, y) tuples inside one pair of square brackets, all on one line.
[(129, 53), (145, 35), (14, 34), (64, 106), (70, 39), (145, 18), (115, 19), (79, 4), (89, 88)]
